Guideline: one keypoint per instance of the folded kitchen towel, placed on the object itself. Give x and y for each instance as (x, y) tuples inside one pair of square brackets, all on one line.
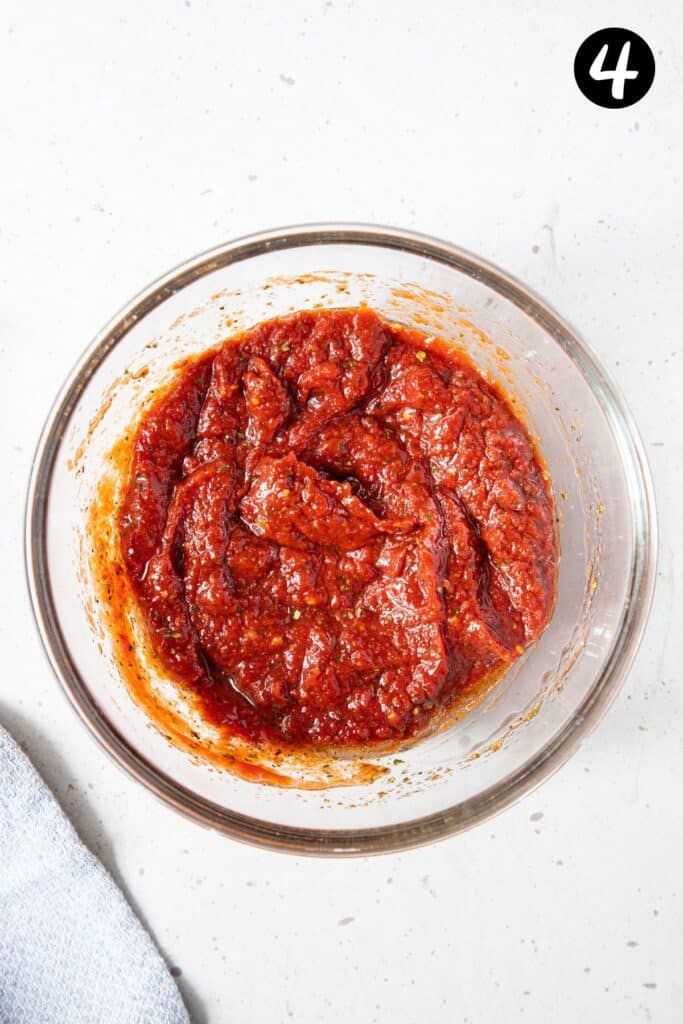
[(71, 949)]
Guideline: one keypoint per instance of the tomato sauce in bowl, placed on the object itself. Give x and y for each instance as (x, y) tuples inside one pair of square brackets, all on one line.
[(334, 527)]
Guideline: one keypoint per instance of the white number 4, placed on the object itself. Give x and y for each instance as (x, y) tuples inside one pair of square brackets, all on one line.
[(620, 73)]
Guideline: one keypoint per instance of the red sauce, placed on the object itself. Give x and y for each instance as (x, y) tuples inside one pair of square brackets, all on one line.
[(334, 527)]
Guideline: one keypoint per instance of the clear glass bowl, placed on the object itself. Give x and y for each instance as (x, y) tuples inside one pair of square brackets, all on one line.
[(535, 718)]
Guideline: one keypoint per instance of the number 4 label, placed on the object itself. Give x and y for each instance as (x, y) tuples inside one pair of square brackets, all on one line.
[(620, 73), (594, 67)]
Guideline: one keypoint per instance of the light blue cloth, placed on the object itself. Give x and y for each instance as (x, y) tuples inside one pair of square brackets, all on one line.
[(71, 949)]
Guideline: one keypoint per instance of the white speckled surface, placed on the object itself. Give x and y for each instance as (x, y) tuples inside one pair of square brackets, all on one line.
[(135, 135)]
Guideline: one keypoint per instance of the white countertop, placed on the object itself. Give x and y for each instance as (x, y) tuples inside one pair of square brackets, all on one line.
[(137, 134)]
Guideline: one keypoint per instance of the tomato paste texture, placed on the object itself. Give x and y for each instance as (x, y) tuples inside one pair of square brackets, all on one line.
[(334, 527)]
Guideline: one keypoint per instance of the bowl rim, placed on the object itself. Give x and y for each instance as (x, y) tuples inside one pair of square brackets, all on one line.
[(417, 831)]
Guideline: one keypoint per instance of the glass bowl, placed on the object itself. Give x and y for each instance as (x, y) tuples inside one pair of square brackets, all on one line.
[(533, 720)]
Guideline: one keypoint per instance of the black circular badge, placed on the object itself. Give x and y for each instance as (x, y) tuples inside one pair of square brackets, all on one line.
[(614, 67)]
